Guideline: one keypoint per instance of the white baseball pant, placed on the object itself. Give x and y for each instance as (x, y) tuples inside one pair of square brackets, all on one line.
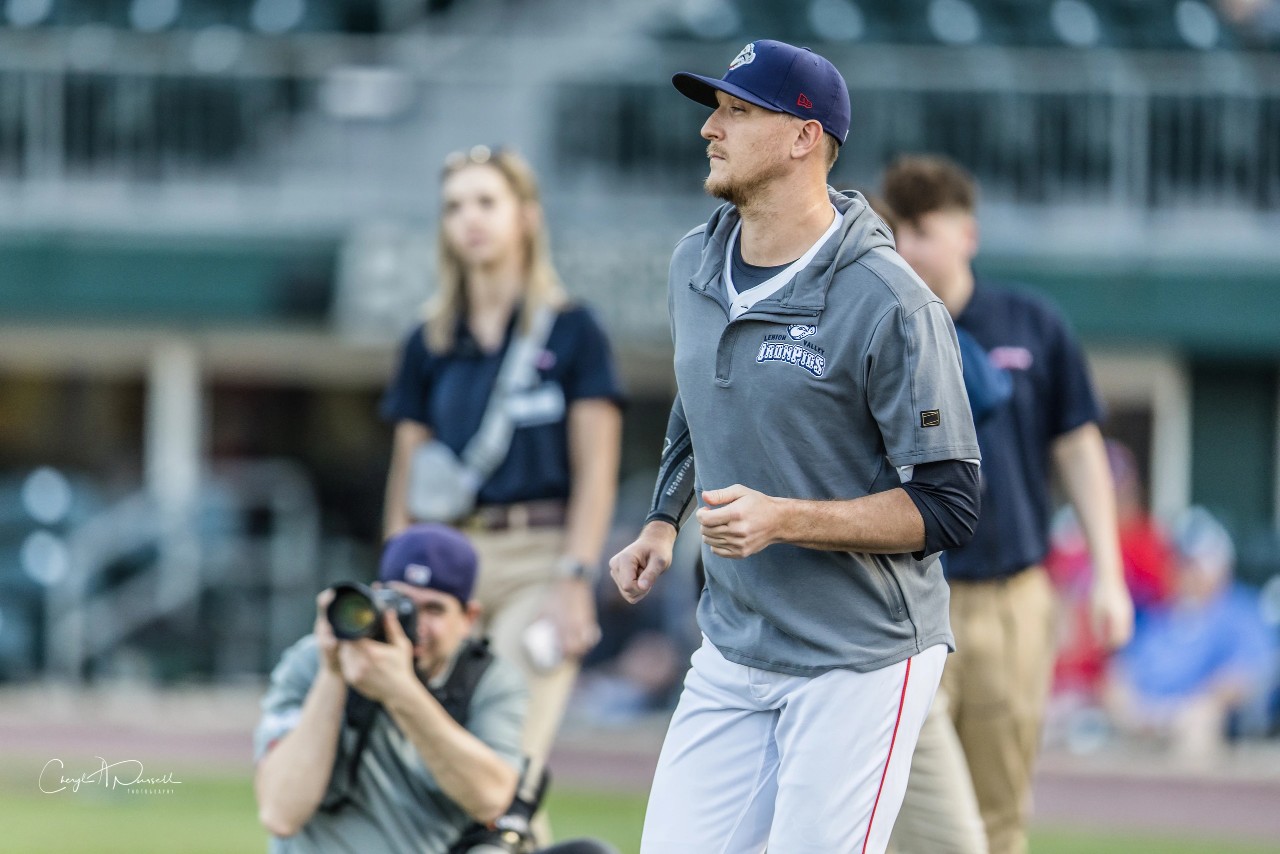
[(799, 765)]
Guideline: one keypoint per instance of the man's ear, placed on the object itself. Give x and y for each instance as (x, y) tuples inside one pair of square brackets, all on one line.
[(808, 138), (473, 610)]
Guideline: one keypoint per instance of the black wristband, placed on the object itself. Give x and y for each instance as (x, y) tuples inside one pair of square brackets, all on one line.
[(659, 516)]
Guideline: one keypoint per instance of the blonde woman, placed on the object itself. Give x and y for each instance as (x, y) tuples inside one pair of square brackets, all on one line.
[(539, 519)]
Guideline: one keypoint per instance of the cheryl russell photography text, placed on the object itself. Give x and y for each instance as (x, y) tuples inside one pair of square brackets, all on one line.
[(124, 774)]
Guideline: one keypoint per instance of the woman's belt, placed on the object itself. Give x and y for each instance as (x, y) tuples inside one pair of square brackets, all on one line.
[(548, 513)]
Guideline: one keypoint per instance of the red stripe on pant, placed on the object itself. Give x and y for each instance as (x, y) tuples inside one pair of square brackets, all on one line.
[(906, 677)]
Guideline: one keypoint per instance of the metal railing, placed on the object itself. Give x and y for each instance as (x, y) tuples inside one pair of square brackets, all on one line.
[(267, 576), (257, 128), (1136, 130)]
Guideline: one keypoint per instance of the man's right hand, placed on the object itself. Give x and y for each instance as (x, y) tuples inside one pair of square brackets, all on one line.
[(326, 641), (636, 568)]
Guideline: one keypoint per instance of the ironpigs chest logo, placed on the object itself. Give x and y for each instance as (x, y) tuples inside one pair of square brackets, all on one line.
[(798, 351)]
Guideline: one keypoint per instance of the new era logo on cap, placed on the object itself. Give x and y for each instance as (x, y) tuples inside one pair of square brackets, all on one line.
[(416, 573), (779, 77)]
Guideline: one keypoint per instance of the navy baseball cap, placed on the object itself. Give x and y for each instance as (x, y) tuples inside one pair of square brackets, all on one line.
[(782, 78), (432, 556)]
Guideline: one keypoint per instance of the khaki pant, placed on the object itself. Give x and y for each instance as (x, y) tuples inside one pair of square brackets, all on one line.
[(996, 683), (517, 571), (939, 814)]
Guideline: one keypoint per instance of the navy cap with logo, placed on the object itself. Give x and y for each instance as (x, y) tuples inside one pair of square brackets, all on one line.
[(782, 78), (432, 556)]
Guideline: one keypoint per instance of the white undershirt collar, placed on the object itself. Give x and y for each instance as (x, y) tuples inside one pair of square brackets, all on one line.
[(741, 303)]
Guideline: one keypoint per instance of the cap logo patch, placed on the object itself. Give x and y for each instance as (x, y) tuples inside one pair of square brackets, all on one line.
[(931, 418), (745, 57), (417, 574), (804, 101)]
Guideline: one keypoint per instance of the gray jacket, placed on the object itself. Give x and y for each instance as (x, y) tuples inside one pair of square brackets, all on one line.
[(822, 391)]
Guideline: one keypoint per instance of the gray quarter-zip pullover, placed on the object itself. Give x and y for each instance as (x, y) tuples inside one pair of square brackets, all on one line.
[(823, 390)]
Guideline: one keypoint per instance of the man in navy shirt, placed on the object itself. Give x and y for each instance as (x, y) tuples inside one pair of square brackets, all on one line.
[(995, 685)]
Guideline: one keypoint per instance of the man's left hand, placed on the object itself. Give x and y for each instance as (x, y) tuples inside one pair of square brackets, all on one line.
[(380, 670), (739, 522), (1111, 609)]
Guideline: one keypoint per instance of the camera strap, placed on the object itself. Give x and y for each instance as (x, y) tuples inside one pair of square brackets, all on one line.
[(469, 667), (454, 695)]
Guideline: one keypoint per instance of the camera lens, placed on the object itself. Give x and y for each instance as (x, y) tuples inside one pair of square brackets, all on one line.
[(352, 613)]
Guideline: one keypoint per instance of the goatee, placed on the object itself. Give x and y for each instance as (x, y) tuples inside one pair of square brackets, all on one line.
[(735, 194)]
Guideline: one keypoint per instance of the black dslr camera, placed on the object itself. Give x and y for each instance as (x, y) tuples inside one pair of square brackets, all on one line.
[(356, 611)]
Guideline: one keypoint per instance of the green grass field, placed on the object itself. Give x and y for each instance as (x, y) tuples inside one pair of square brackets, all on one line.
[(215, 815)]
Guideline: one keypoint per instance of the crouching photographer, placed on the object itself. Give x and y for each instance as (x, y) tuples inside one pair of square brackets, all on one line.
[(389, 728)]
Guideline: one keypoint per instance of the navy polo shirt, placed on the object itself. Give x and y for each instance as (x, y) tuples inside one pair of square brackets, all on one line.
[(448, 393), (1052, 395)]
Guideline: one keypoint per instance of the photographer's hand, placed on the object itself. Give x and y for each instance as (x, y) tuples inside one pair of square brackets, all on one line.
[(326, 641), (469, 772), (380, 671), (291, 779)]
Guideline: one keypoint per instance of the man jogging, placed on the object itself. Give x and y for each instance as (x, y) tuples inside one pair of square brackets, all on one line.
[(822, 408)]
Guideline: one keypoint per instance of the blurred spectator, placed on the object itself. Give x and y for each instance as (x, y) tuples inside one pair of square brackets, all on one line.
[(507, 413), (1200, 657), (995, 688), (642, 678), (1082, 657)]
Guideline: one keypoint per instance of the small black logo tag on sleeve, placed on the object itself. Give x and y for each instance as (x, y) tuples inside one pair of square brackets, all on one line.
[(931, 418)]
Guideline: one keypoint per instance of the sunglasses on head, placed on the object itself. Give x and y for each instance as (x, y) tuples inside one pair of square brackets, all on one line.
[(476, 155)]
